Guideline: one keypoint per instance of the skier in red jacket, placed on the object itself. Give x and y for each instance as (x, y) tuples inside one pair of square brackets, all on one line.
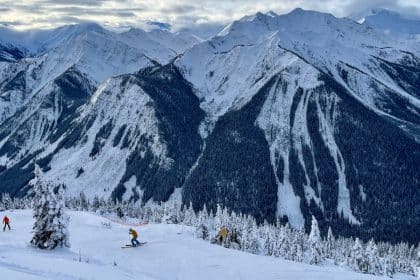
[(6, 222)]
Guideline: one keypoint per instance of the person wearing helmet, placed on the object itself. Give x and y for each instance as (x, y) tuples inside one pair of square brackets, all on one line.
[(134, 236)]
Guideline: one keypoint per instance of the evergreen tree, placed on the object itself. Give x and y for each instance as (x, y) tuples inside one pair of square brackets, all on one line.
[(50, 228), (203, 217), (329, 244), (373, 258), (282, 246), (315, 246), (389, 264), (189, 217), (269, 240), (249, 240), (202, 232), (297, 253), (83, 203), (218, 220), (59, 221), (120, 212), (95, 204), (358, 259), (6, 202)]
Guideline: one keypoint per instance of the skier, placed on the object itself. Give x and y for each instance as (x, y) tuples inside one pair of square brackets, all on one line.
[(134, 235), (221, 237), (6, 222)]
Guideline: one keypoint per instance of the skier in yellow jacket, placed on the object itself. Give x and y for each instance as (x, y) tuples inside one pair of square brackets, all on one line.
[(222, 235), (134, 235)]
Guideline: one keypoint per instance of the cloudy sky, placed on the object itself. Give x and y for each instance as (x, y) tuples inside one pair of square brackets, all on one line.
[(174, 14)]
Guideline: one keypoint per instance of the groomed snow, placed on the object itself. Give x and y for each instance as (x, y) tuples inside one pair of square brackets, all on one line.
[(172, 252)]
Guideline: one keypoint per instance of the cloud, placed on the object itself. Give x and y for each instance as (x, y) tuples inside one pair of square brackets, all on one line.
[(73, 2), (10, 23), (405, 7), (86, 12), (180, 9), (204, 15)]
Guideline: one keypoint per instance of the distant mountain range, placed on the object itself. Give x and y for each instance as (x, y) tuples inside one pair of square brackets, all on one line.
[(278, 116), (391, 23)]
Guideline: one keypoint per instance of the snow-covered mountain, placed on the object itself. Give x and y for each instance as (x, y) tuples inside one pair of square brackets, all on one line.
[(297, 101), (277, 116), (391, 23)]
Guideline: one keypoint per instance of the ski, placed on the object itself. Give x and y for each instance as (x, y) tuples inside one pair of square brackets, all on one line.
[(131, 246)]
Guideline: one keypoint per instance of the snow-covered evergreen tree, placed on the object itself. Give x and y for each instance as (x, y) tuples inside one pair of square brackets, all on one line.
[(6, 202), (389, 264), (203, 216), (120, 212), (373, 258), (315, 246), (282, 245), (59, 221), (83, 202), (269, 240), (95, 204), (50, 228), (297, 253), (218, 220), (202, 232), (358, 259), (189, 217), (249, 238), (329, 244)]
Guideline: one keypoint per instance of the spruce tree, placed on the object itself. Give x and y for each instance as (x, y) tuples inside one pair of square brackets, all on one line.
[(297, 253), (358, 258), (315, 246), (83, 203), (59, 221), (269, 240), (329, 244), (95, 204), (249, 240), (389, 264), (50, 227), (373, 258), (6, 202), (189, 217)]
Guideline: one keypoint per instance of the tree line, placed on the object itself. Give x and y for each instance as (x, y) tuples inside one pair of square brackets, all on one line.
[(244, 233)]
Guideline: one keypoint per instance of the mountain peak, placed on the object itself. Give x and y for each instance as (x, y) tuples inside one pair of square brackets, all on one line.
[(272, 14), (297, 11), (392, 23)]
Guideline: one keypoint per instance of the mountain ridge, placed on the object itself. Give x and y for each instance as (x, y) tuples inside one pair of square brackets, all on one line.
[(277, 116)]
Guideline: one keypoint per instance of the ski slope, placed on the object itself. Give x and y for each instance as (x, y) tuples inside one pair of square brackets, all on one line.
[(172, 252)]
